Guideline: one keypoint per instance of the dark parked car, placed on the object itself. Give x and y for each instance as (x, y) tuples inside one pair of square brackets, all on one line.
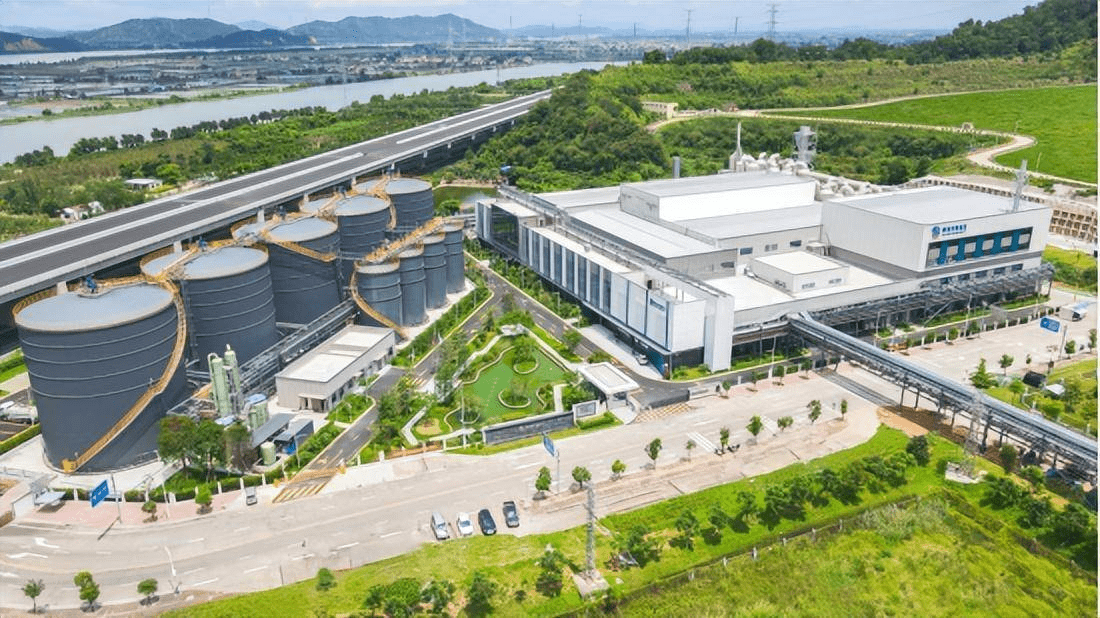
[(485, 520), (511, 515)]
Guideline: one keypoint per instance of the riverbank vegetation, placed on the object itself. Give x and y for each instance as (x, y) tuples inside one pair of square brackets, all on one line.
[(40, 183)]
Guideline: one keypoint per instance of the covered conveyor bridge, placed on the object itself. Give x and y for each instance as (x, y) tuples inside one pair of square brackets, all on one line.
[(1071, 447)]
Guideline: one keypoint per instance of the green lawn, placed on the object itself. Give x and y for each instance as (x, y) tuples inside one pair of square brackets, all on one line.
[(498, 377), (1075, 269), (1062, 119)]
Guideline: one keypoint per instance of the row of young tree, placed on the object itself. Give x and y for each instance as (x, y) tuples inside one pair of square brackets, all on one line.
[(640, 545), (88, 591)]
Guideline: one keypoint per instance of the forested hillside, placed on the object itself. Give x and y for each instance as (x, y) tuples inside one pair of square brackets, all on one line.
[(587, 135)]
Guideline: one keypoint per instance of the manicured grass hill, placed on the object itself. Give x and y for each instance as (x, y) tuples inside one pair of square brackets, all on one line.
[(1062, 119)]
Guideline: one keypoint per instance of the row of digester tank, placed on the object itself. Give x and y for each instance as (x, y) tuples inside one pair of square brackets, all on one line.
[(97, 353)]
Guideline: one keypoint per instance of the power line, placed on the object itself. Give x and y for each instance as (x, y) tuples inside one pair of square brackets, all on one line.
[(772, 10)]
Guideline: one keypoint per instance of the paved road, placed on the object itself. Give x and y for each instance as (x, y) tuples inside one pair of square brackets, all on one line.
[(382, 509), (39, 260)]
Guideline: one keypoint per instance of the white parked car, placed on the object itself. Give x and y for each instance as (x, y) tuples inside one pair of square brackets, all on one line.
[(465, 526)]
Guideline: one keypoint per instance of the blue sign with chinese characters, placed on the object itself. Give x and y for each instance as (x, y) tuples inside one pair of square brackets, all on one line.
[(549, 444), (948, 230), (1050, 324), (99, 493)]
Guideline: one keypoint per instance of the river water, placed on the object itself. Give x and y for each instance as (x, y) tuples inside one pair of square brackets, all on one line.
[(60, 134)]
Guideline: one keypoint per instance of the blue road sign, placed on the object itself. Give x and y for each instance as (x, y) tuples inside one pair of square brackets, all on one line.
[(99, 493), (549, 444), (1050, 324)]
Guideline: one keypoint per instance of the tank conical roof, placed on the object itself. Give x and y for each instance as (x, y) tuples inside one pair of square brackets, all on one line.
[(399, 186), (155, 266), (223, 262), (77, 311), (313, 204), (360, 205), (299, 230)]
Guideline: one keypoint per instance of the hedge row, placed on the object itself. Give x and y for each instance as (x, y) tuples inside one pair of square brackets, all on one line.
[(20, 438)]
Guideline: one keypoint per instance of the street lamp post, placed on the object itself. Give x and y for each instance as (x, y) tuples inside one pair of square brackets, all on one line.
[(172, 567)]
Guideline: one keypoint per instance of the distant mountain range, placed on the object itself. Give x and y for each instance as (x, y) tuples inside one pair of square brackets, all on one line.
[(163, 33), (414, 29)]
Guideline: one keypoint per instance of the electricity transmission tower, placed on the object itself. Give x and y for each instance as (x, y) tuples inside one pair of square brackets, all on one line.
[(772, 10)]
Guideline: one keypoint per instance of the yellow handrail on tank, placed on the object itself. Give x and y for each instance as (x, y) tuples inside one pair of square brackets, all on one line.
[(411, 239), (379, 191), (294, 247), (72, 465), (33, 298), (371, 311), (184, 257), (326, 209)]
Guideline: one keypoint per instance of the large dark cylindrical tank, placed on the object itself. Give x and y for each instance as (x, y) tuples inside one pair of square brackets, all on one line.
[(305, 287), (413, 301), (362, 220), (456, 260), (380, 287), (435, 271), (412, 201), (229, 301), (90, 357)]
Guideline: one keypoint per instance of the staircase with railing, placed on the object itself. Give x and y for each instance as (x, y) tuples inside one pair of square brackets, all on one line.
[(365, 307)]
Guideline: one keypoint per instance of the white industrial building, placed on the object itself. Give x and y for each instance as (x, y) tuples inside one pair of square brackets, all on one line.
[(321, 378), (685, 269)]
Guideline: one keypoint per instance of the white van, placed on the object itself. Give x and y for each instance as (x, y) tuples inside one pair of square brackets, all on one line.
[(439, 527)]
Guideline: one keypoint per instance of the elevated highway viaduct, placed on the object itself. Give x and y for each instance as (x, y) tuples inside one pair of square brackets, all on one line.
[(41, 260)]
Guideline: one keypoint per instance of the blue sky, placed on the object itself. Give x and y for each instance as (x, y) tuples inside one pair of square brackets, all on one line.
[(707, 15)]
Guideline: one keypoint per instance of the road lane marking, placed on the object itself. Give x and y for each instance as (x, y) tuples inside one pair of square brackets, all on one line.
[(203, 583), (242, 529), (388, 534), (253, 570), (348, 545), (24, 555), (196, 570), (102, 553), (8, 575), (201, 538), (524, 466), (41, 542), (302, 557), (245, 557)]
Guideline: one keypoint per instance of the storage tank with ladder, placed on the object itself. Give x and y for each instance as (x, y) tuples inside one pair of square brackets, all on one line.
[(228, 294), (105, 364), (304, 268), (413, 288)]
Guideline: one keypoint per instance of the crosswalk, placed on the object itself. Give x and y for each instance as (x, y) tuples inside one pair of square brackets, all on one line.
[(306, 483), (663, 412), (300, 490), (701, 442)]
